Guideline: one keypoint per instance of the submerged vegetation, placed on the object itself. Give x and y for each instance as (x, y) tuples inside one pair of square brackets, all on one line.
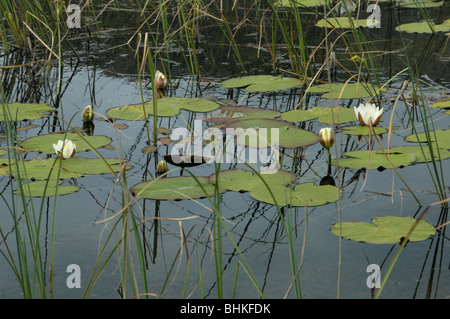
[(318, 98)]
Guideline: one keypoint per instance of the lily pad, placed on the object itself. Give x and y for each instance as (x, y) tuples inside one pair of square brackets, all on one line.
[(262, 83), (374, 160), (344, 23), (345, 91), (230, 113), (166, 107), (423, 27), (441, 136), (39, 188), (360, 130), (175, 188), (419, 3), (44, 143), (303, 194), (422, 154), (384, 230), (25, 111), (42, 169), (442, 104), (257, 133), (323, 115), (302, 3), (240, 180)]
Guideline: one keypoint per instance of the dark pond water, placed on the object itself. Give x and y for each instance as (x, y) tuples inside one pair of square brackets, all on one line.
[(105, 75)]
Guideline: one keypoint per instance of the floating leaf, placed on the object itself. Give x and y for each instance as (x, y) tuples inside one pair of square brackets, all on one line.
[(423, 154), (423, 27), (240, 180), (262, 83), (165, 107), (345, 91), (442, 104), (441, 136), (323, 115), (302, 3), (257, 133), (303, 194), (229, 113), (419, 3), (361, 130), (384, 230), (42, 169), (375, 160), (37, 189), (175, 188), (25, 111), (345, 23), (44, 143)]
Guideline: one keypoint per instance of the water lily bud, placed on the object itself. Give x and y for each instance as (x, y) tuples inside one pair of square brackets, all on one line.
[(326, 137), (88, 114), (65, 149), (162, 167), (160, 80), (368, 113)]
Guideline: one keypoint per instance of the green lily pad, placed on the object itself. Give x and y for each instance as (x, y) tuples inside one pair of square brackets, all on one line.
[(303, 194), (42, 169), (166, 107), (302, 3), (384, 230), (25, 111), (240, 180), (423, 27), (262, 83), (441, 136), (422, 154), (419, 3), (374, 160), (442, 104), (230, 113), (360, 130), (345, 91), (175, 188), (257, 133), (37, 189), (44, 143), (344, 23), (323, 115)]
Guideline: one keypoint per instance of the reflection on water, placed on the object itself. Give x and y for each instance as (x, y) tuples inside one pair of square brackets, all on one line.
[(102, 70)]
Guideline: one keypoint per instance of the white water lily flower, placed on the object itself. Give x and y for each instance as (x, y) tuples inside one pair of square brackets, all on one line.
[(368, 113), (160, 80), (65, 149), (326, 137)]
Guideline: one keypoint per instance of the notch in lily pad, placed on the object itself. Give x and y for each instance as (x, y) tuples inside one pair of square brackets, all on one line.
[(384, 230)]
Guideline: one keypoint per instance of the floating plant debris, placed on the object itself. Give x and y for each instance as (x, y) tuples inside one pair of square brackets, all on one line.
[(384, 230)]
